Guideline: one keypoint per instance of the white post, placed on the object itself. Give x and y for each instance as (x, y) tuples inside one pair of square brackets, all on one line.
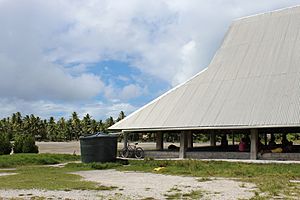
[(159, 141), (183, 144), (254, 140)]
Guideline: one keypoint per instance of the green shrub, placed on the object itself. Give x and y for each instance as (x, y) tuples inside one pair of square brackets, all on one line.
[(18, 144), (29, 145), (25, 144), (5, 145)]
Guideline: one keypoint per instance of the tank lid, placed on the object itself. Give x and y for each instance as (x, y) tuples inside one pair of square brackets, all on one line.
[(97, 135)]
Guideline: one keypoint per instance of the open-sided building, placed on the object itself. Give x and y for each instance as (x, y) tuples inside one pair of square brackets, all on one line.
[(252, 84)]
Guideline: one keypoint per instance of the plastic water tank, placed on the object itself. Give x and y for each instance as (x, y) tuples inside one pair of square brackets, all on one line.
[(98, 148)]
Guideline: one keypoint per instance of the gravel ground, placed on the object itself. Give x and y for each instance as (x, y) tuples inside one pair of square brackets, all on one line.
[(34, 194), (137, 185)]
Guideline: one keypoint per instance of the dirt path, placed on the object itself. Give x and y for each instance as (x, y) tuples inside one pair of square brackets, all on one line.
[(138, 185)]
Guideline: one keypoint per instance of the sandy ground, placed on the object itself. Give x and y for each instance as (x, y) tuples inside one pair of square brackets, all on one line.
[(74, 146), (136, 185)]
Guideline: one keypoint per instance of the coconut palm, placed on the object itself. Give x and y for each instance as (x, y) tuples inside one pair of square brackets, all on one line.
[(76, 126), (87, 125), (52, 129)]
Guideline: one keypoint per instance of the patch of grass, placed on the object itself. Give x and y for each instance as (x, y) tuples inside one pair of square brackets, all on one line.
[(176, 195), (116, 196), (214, 168), (35, 159), (103, 187), (259, 197), (271, 179), (194, 194), (203, 179), (37, 198), (48, 178), (174, 189), (31, 175), (93, 166)]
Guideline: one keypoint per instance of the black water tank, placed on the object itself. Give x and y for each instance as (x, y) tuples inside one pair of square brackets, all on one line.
[(98, 148)]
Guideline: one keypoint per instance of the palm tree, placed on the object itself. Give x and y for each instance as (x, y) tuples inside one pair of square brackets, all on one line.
[(100, 126), (76, 126), (94, 126), (70, 133), (5, 128), (52, 129), (121, 116), (62, 129), (87, 125), (42, 124), (108, 123)]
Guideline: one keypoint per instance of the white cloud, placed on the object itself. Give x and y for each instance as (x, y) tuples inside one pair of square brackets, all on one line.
[(40, 80), (26, 32), (46, 46), (131, 91), (127, 92), (45, 109), (152, 36)]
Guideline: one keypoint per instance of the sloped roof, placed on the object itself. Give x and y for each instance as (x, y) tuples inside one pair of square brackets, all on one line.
[(252, 81)]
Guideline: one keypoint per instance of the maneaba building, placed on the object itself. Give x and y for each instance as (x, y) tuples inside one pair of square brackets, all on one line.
[(252, 86)]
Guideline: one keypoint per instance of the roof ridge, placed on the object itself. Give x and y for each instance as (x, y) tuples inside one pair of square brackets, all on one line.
[(267, 12)]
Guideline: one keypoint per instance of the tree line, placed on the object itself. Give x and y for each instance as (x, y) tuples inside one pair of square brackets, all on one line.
[(54, 130)]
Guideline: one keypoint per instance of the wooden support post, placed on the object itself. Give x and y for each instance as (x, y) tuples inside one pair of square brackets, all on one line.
[(232, 138), (125, 139), (189, 139), (213, 139), (183, 144), (159, 141), (254, 141)]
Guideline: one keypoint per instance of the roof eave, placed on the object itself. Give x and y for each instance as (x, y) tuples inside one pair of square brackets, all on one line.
[(205, 128)]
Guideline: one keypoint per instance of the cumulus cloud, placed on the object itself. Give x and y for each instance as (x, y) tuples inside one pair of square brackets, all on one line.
[(39, 80), (125, 93), (152, 36), (25, 72), (47, 47)]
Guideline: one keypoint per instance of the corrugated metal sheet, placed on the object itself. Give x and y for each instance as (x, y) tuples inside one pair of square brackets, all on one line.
[(252, 81)]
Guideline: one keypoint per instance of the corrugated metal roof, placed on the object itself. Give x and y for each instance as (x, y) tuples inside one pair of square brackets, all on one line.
[(252, 81)]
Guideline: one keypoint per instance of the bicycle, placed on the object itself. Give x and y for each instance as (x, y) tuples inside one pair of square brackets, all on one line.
[(132, 151)]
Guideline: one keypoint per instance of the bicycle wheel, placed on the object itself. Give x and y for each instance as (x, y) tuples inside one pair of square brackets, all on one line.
[(125, 153), (139, 152)]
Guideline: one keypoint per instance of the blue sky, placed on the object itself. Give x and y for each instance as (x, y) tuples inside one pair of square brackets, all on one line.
[(104, 56)]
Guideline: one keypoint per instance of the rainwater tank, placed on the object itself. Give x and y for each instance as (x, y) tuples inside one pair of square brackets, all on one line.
[(98, 148)]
